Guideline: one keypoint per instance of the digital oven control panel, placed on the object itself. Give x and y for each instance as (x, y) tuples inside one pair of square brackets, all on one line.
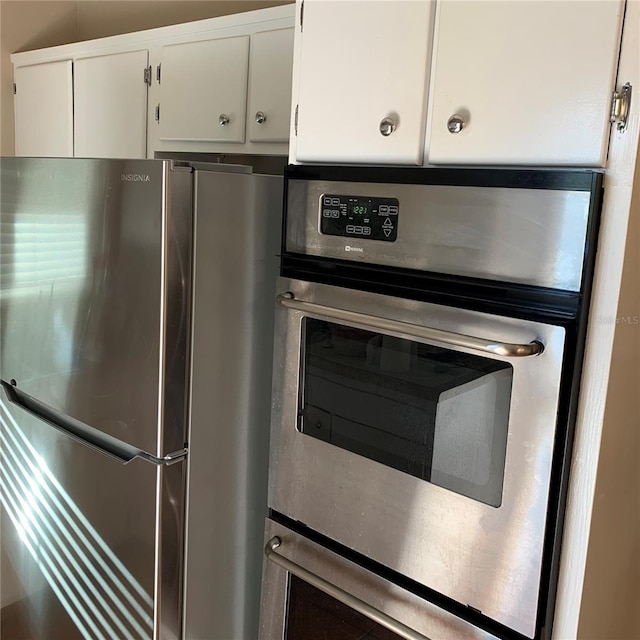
[(359, 217)]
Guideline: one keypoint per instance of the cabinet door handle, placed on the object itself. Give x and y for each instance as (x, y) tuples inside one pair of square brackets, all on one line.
[(456, 123), (387, 126), (223, 120), (339, 594), (260, 117)]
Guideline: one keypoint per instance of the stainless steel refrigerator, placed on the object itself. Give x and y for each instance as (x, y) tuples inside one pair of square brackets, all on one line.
[(135, 357)]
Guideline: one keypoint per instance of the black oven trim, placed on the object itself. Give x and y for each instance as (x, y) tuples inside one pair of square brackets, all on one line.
[(488, 296), (524, 178)]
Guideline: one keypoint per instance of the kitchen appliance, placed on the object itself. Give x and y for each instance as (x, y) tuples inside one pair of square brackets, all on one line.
[(429, 329), (135, 344)]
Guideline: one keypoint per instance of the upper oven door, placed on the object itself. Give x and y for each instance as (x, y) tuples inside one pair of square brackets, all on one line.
[(421, 436)]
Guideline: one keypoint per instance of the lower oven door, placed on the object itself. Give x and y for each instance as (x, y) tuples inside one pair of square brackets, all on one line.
[(311, 593), (420, 436)]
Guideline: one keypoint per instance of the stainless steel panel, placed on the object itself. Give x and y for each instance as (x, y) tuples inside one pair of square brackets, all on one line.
[(412, 611), (528, 236), (482, 556), (238, 226), (95, 274), (82, 546)]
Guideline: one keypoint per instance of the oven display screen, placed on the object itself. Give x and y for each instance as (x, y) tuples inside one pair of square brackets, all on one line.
[(358, 209), (359, 217)]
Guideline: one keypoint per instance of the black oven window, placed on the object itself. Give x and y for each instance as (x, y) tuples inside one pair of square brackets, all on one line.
[(313, 615), (435, 413)]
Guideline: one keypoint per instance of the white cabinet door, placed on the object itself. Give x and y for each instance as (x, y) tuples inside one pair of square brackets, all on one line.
[(204, 90), (44, 109), (110, 116), (532, 80), (361, 63), (270, 70)]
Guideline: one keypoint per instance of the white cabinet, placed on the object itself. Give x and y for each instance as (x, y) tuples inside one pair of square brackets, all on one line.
[(519, 83), (110, 114), (44, 109), (204, 90), (202, 77), (270, 69), (362, 70), (532, 81)]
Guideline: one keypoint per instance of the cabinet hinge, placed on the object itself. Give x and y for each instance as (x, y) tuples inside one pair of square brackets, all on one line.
[(301, 14), (620, 107), (158, 113), (158, 72), (15, 89), (295, 121), (147, 76)]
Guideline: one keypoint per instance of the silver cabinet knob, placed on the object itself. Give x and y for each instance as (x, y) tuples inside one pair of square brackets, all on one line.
[(260, 117), (456, 123), (387, 126), (223, 120)]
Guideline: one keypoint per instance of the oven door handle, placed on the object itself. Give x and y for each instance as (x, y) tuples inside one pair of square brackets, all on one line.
[(506, 349), (339, 594)]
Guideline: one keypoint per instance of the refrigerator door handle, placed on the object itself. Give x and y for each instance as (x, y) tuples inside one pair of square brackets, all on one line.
[(83, 433)]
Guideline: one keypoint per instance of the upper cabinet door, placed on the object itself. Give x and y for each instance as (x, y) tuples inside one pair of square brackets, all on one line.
[(270, 71), (363, 73), (44, 109), (523, 82), (110, 115), (204, 90)]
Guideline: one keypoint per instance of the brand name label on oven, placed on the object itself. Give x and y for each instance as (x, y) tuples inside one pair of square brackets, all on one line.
[(358, 249)]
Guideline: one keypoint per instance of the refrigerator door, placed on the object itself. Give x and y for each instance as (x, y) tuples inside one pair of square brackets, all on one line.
[(95, 292), (237, 239), (91, 548)]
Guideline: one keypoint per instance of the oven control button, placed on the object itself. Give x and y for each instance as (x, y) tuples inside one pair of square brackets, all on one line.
[(335, 213), (335, 202), (387, 223), (387, 232), (393, 210), (327, 202), (367, 231), (327, 213), (383, 208), (351, 228), (357, 230)]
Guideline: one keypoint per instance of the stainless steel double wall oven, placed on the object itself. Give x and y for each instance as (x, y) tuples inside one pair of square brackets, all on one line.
[(429, 329)]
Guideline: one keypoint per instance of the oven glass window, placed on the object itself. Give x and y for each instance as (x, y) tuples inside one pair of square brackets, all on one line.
[(435, 413), (313, 615)]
